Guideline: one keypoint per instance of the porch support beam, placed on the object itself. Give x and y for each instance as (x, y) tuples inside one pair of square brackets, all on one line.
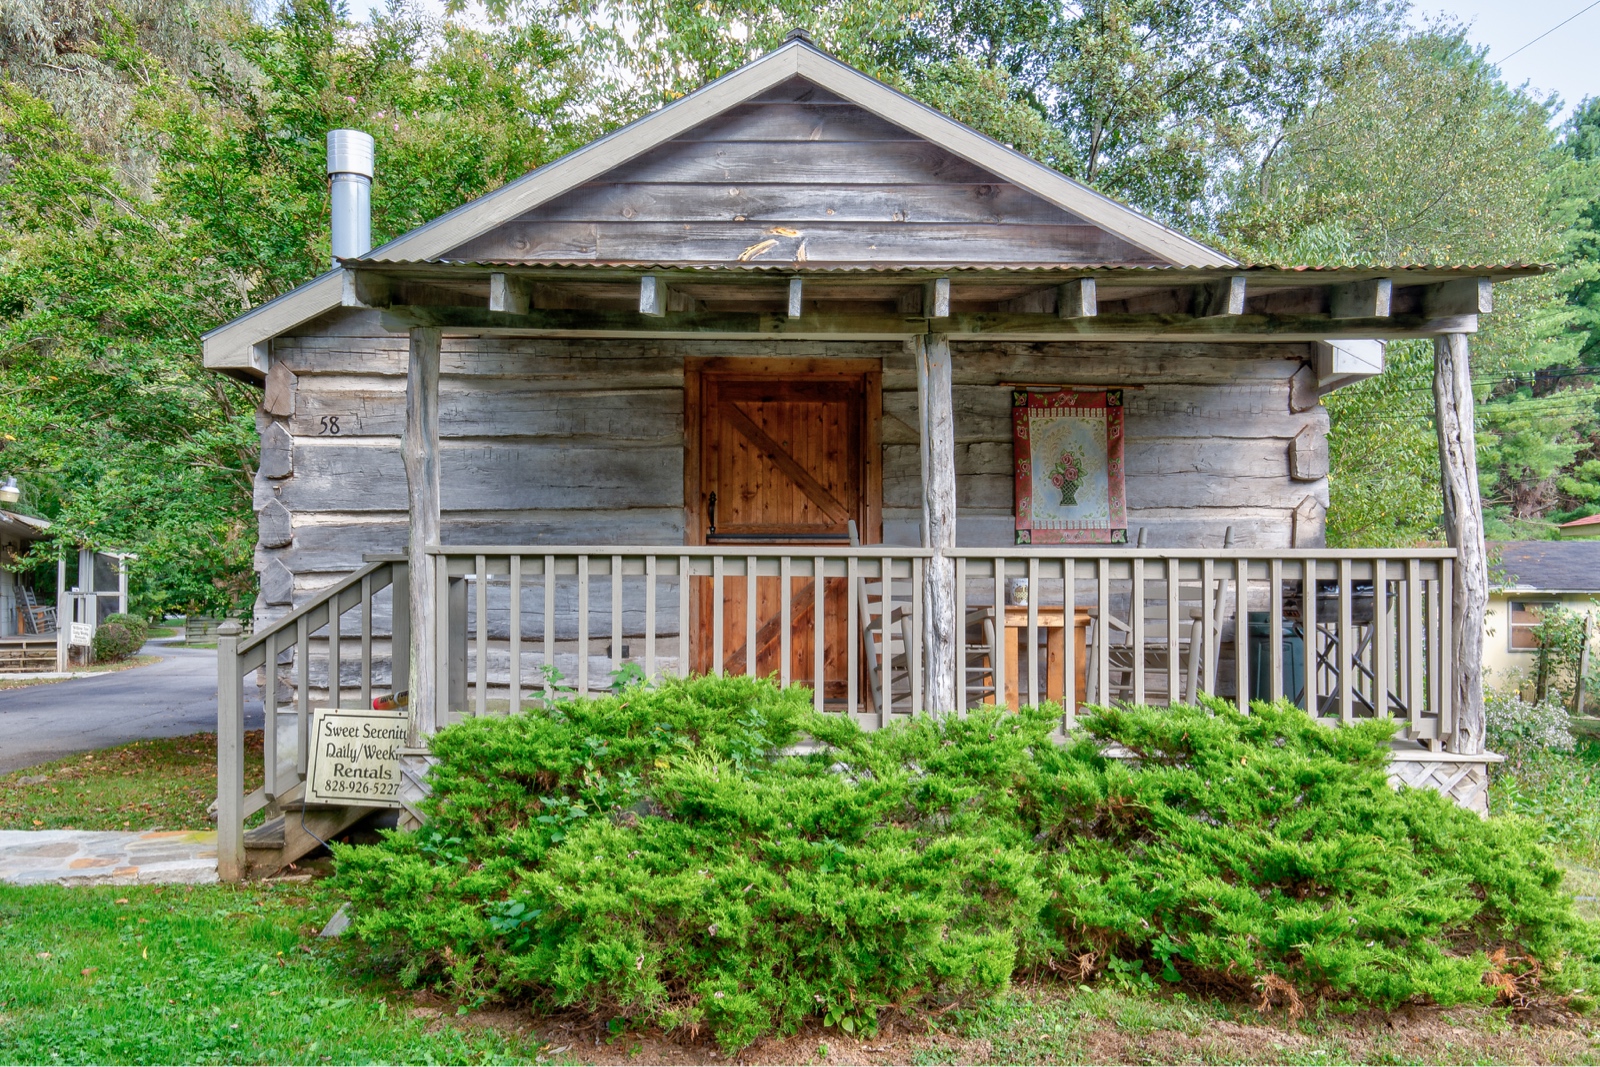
[(508, 293), (420, 451), (941, 636), (1010, 326), (1463, 523), (1223, 298), (1077, 299)]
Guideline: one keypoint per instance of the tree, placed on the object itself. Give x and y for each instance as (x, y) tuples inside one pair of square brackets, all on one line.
[(1146, 100), (1420, 154), (120, 435)]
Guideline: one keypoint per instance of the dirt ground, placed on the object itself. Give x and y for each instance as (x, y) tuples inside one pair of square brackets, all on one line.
[(1047, 1026)]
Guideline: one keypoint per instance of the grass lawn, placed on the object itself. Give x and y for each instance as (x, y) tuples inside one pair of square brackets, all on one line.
[(205, 975), (164, 784), (1561, 792), (214, 974)]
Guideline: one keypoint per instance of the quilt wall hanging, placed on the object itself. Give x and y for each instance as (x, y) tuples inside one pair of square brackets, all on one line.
[(1067, 446)]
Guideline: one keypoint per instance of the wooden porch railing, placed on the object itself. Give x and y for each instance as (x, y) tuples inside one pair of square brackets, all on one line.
[(1347, 634)]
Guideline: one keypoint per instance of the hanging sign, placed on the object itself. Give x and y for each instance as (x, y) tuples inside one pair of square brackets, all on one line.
[(355, 757), (1067, 445)]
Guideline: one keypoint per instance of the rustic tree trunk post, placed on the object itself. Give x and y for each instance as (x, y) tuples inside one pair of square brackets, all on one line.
[(940, 633), (1463, 522), (420, 446)]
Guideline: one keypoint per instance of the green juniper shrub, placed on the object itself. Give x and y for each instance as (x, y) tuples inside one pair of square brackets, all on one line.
[(137, 625), (119, 637), (655, 856), (1235, 847)]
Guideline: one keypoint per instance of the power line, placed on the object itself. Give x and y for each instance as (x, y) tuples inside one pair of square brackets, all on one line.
[(1551, 30)]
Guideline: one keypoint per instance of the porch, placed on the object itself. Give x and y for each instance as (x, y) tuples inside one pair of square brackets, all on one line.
[(518, 627)]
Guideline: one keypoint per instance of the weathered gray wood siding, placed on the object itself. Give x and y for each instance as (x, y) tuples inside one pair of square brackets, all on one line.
[(799, 175), (1210, 428), (581, 442)]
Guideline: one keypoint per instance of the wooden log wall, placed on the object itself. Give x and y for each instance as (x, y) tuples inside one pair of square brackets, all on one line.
[(565, 442)]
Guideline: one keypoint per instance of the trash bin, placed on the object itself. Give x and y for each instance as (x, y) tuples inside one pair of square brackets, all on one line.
[(1294, 658)]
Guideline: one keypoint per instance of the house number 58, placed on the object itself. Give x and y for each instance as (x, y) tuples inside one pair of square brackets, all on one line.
[(330, 425)]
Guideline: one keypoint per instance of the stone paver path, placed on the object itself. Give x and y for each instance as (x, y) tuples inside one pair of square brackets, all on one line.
[(94, 857)]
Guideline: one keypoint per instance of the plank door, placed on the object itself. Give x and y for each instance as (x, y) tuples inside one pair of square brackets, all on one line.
[(784, 459)]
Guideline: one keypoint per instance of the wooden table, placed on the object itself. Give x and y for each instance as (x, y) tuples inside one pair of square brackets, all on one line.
[(1053, 622)]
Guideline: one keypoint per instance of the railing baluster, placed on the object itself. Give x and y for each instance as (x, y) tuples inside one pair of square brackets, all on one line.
[(914, 639), (1102, 646), (1033, 630), (1275, 630), (481, 580), (1208, 624), (1313, 632), (583, 624), (366, 641), (269, 718), (444, 683), (1136, 620), (549, 628), (716, 616), (1447, 667), (818, 636), (617, 656), (1069, 652), (302, 655), (1344, 664), (1416, 692), (785, 618), (650, 617), (1004, 649), (962, 675), (683, 617), (751, 596), (1173, 569), (852, 636), (1381, 638), (886, 644), (334, 651), (514, 637), (1241, 633)]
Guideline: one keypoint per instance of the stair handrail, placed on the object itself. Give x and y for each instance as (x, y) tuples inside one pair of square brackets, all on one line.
[(236, 657)]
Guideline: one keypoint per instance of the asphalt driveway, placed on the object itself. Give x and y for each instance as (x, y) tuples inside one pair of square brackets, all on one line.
[(176, 696)]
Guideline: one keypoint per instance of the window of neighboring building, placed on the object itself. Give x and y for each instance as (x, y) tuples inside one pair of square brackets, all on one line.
[(1524, 617)]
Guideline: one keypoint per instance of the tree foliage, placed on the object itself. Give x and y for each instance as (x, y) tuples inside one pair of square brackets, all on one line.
[(109, 273)]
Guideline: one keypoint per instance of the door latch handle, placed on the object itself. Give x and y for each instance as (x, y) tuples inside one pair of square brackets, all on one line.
[(711, 514)]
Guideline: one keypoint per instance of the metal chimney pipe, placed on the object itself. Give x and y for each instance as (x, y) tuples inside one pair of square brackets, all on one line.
[(350, 155)]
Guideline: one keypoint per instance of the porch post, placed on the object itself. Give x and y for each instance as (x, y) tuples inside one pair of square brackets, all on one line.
[(420, 446), (1463, 524), (941, 638)]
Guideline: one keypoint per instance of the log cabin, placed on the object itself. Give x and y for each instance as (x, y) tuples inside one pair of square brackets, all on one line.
[(797, 376)]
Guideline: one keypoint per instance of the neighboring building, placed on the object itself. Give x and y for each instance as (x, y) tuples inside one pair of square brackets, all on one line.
[(1526, 576), (1588, 526), (17, 533)]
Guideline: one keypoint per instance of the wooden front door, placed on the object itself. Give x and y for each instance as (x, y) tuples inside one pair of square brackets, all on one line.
[(785, 456)]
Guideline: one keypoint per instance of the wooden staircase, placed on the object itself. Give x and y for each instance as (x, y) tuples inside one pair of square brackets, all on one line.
[(299, 831)]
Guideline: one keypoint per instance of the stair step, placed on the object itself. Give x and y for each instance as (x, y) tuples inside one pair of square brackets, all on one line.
[(275, 844)]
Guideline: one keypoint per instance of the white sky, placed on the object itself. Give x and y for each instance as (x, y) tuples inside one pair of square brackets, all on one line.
[(1564, 62)]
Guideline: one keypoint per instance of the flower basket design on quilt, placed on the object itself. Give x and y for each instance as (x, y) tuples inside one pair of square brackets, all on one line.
[(1067, 445)]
